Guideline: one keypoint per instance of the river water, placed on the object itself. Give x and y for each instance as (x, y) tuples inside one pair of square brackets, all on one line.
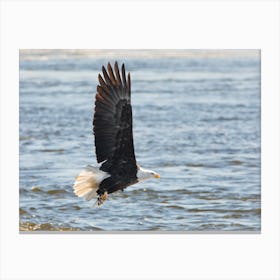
[(196, 122)]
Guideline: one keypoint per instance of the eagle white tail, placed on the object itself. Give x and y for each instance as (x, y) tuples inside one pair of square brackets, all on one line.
[(87, 182)]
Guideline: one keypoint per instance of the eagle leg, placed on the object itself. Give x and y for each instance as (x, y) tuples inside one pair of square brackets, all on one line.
[(102, 198)]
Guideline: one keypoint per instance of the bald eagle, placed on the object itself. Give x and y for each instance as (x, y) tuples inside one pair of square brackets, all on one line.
[(112, 129)]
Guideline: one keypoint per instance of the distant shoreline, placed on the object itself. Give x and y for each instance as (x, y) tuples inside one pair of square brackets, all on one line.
[(44, 54)]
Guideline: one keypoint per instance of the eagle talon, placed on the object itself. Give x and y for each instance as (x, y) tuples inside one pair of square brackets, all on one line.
[(102, 198)]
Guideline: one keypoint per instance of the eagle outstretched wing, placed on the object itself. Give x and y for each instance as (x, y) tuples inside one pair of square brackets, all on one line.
[(112, 124)]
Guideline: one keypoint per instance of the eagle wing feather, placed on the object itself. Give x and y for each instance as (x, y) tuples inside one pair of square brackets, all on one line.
[(112, 125)]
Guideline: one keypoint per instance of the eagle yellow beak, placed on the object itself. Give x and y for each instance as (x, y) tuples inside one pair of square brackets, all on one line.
[(157, 176)]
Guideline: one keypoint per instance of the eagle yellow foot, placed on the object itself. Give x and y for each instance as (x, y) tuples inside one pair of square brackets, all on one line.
[(102, 198)]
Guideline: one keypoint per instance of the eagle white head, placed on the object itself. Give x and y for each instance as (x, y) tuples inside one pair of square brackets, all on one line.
[(144, 174)]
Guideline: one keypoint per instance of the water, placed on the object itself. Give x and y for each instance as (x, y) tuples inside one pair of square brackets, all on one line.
[(196, 122)]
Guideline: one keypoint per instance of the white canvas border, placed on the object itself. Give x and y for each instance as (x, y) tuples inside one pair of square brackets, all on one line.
[(157, 24)]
